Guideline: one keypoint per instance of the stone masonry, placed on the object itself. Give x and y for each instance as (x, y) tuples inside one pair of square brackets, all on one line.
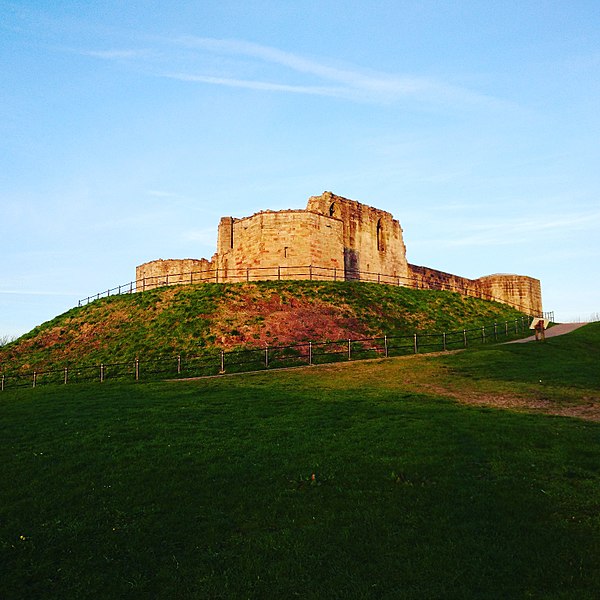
[(333, 239)]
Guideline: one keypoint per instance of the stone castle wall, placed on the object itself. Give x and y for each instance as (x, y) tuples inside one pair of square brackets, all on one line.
[(520, 291), (333, 239), (157, 273), (287, 239)]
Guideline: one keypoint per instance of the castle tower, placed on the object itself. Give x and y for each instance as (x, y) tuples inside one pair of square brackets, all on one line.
[(372, 238)]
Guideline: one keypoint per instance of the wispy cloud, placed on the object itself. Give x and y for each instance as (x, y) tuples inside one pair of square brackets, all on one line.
[(203, 59), (501, 232), (260, 85), (351, 77), (355, 83), (119, 54), (456, 231)]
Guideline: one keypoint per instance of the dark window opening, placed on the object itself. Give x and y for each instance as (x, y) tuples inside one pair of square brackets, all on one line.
[(380, 244), (332, 210)]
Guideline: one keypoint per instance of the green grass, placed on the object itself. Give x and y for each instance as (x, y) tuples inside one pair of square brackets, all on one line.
[(573, 359), (202, 319), (205, 489)]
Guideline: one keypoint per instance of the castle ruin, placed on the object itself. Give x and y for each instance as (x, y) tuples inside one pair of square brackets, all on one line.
[(333, 239)]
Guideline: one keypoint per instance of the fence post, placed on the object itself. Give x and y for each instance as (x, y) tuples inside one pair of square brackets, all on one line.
[(495, 332), (483, 334), (444, 340), (416, 346), (310, 353), (247, 274), (34, 378), (137, 368), (310, 272), (386, 346), (2, 383), (335, 273), (349, 350), (66, 375), (266, 355), (178, 364), (516, 325), (278, 273), (465, 337), (101, 372), (506, 328)]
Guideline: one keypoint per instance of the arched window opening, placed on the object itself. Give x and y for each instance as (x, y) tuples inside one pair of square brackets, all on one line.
[(380, 242), (332, 210)]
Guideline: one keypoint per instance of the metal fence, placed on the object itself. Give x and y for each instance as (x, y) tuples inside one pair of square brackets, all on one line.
[(220, 362), (286, 273)]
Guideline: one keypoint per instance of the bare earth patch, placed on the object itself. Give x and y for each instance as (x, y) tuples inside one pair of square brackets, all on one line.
[(431, 377), (282, 320), (584, 407)]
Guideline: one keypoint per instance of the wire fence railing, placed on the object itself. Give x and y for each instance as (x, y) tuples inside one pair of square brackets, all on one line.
[(220, 362), (287, 273)]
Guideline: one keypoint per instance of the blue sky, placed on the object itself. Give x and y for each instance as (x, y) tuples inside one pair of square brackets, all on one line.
[(127, 129)]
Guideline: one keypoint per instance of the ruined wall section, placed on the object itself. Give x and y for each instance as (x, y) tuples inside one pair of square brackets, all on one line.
[(274, 245), (519, 291), (161, 272), (372, 238)]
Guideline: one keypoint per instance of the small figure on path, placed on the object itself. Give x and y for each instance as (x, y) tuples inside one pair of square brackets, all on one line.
[(540, 331)]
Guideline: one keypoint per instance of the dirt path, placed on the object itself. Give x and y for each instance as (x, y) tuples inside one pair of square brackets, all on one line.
[(559, 329)]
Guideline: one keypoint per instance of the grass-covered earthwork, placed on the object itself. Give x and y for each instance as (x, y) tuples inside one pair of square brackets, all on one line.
[(197, 320)]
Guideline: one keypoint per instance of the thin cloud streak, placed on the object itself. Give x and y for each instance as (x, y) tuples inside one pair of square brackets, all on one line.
[(349, 83), (260, 85), (118, 54), (297, 63), (372, 86), (505, 232)]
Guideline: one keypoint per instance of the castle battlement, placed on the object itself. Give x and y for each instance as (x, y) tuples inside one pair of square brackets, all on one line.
[(335, 235)]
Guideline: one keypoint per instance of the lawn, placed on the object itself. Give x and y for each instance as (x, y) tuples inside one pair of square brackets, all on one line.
[(340, 481)]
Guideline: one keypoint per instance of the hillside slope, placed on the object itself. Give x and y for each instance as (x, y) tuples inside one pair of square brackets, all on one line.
[(194, 319)]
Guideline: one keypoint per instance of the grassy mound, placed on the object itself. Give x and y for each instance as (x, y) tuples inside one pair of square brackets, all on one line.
[(196, 319), (343, 481)]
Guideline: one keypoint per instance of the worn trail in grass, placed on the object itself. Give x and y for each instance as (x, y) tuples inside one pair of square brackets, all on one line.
[(343, 481)]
